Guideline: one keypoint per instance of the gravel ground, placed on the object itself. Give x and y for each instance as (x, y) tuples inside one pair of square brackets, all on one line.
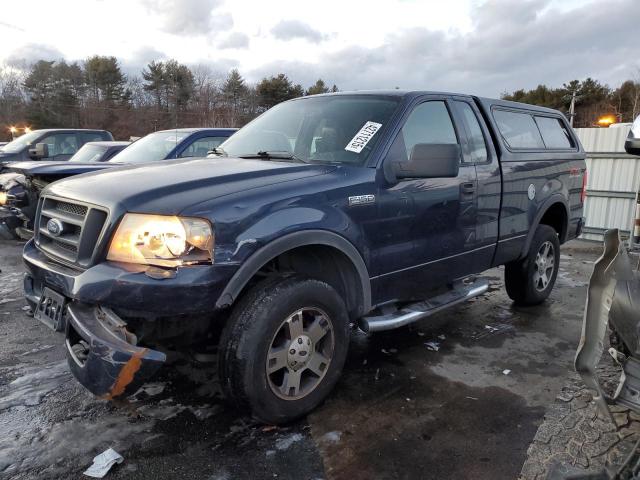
[(459, 395), (576, 438)]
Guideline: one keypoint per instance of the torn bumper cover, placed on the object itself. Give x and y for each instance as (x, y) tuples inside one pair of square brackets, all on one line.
[(613, 297), (102, 354)]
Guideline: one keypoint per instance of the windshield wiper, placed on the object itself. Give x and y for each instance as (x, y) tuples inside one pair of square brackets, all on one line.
[(273, 155)]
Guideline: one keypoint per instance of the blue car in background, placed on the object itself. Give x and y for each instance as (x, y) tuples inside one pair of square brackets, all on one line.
[(19, 210)]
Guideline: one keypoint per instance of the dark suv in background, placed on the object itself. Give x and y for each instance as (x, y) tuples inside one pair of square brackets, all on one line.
[(49, 144)]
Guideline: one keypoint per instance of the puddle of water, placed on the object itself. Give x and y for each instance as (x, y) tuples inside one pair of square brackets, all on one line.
[(493, 329), (564, 280), (37, 349), (72, 442), (35, 384)]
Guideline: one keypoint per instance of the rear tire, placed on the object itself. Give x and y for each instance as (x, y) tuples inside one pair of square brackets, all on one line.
[(283, 348), (530, 281)]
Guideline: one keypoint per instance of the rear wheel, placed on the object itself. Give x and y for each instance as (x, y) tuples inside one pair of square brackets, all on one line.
[(283, 348), (530, 281)]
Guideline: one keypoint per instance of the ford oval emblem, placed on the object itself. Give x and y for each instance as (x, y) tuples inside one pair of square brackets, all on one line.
[(54, 227)]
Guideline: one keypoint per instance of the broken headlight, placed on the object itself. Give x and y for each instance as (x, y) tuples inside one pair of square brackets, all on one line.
[(165, 241)]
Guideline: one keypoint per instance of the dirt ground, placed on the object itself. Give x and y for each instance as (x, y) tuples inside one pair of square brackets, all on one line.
[(459, 395)]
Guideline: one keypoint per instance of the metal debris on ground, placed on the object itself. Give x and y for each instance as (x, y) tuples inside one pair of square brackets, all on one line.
[(506, 371), (433, 346), (102, 463)]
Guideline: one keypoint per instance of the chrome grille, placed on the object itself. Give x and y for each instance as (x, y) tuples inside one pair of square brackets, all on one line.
[(75, 230)]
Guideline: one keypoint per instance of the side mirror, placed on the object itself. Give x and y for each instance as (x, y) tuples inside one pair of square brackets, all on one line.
[(41, 150), (431, 160), (632, 144)]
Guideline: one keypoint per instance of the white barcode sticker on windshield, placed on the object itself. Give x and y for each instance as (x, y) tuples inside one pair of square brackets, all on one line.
[(361, 139)]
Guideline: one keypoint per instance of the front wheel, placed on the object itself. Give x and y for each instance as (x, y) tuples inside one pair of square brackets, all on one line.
[(283, 348), (530, 281)]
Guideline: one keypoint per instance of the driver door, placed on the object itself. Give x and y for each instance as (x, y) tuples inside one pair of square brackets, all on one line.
[(436, 215)]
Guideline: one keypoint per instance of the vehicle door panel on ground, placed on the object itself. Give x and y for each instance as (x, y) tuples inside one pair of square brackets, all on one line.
[(439, 218)]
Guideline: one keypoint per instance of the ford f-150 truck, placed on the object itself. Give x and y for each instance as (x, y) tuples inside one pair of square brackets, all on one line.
[(49, 144), (375, 208)]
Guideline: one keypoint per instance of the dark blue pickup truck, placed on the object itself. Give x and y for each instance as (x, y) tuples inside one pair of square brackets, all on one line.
[(377, 208), (49, 144)]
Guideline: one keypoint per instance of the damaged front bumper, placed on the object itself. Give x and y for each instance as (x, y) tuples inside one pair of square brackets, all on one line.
[(613, 298), (103, 355)]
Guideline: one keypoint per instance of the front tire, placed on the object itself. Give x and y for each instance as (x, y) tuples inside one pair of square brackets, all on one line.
[(283, 348), (530, 281)]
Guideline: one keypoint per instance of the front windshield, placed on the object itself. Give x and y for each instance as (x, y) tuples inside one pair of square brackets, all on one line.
[(336, 129), (88, 153), (153, 147), (19, 143)]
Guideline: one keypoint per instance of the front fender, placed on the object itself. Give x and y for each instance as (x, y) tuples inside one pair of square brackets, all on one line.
[(288, 242)]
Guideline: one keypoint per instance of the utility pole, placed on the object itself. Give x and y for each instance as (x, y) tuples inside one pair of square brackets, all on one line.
[(572, 108)]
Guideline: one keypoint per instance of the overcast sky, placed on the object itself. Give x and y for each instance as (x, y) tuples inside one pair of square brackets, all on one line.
[(481, 47)]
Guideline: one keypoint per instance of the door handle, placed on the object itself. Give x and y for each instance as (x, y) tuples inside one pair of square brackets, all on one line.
[(468, 187)]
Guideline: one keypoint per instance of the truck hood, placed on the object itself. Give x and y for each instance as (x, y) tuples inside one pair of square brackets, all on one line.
[(6, 157), (169, 187), (62, 168)]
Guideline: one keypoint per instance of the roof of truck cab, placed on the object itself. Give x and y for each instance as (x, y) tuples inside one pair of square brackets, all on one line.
[(418, 93), (195, 129), (45, 130), (108, 144)]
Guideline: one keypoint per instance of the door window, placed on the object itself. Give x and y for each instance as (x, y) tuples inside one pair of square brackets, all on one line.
[(202, 146), (518, 129), (554, 133), (92, 137), (477, 144), (61, 144), (429, 122)]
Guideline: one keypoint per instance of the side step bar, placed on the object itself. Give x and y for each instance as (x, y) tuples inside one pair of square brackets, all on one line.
[(416, 311)]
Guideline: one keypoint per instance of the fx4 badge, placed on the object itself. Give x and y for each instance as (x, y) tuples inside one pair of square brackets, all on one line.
[(361, 200)]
